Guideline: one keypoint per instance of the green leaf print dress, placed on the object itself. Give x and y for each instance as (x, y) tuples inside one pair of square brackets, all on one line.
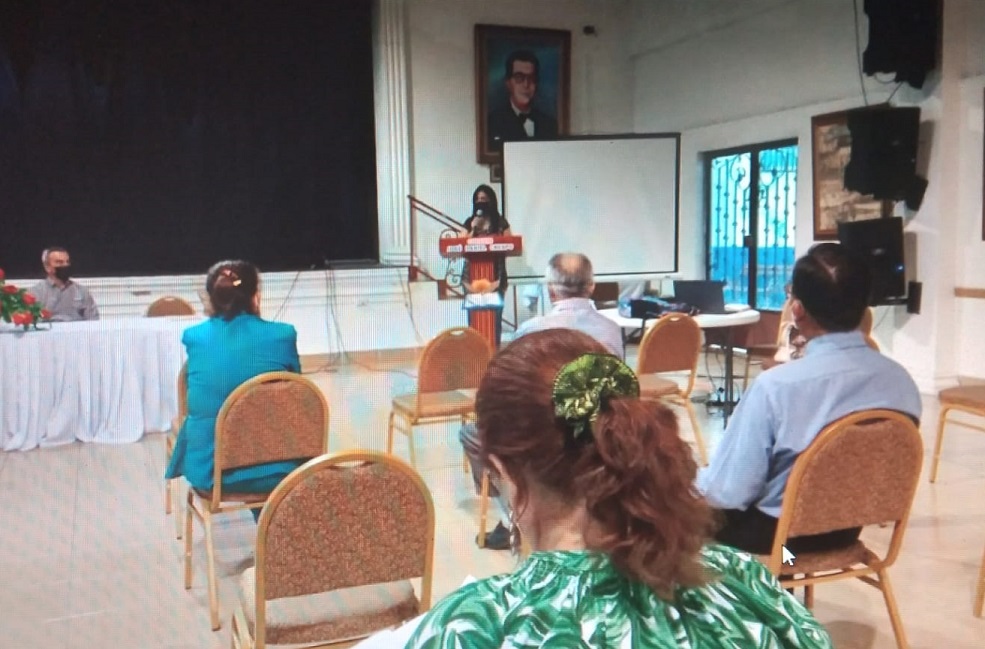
[(578, 600)]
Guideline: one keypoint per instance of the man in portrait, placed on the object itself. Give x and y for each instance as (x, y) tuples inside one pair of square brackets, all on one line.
[(518, 118)]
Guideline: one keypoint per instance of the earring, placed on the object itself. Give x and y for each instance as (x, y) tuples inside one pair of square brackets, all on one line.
[(514, 534)]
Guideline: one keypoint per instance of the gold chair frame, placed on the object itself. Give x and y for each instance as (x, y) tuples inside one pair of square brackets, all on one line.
[(205, 505), (172, 487), (968, 399), (241, 637), (866, 566), (681, 334)]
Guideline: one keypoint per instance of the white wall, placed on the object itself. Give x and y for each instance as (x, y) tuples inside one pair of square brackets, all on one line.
[(442, 87), (729, 75)]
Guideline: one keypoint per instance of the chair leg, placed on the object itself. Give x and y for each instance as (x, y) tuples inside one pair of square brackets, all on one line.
[(210, 560), (483, 508), (941, 421), (389, 434), (809, 596), (188, 540), (168, 486), (745, 373), (894, 617), (980, 590), (698, 438), (410, 443), (175, 490)]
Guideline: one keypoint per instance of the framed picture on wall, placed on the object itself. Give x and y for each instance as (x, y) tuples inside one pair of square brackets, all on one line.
[(831, 149), (522, 82)]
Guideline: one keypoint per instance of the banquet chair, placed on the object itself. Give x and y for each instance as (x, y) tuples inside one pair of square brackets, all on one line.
[(337, 544), (169, 305), (272, 417), (968, 399), (861, 470), (673, 344), (172, 488), (448, 374)]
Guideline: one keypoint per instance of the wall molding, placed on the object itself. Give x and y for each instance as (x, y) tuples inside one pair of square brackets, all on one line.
[(968, 292)]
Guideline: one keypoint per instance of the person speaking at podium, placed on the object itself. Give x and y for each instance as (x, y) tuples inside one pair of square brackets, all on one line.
[(487, 221)]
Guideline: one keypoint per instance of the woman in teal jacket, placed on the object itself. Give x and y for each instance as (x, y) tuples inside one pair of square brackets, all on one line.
[(232, 346)]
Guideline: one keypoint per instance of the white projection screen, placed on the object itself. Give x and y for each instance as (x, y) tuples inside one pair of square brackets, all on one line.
[(614, 198)]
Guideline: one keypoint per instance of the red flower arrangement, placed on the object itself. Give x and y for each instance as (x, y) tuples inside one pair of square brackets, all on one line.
[(19, 307)]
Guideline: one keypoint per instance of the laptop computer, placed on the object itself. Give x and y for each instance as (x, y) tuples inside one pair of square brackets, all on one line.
[(707, 296)]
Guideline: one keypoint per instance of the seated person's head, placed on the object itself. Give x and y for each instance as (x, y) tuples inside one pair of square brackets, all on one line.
[(569, 274), (618, 481), (233, 288), (831, 287)]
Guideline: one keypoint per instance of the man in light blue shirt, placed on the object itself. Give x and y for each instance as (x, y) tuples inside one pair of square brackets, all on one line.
[(570, 283), (788, 406)]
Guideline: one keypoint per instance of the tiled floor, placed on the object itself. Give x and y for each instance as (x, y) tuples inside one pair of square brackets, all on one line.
[(89, 559)]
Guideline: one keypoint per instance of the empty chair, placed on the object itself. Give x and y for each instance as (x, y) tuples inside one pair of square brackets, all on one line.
[(273, 417), (672, 344), (967, 399), (861, 470), (337, 543), (169, 305), (448, 374)]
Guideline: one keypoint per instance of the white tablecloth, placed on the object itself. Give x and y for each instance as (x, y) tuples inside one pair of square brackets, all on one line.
[(101, 381), (736, 316)]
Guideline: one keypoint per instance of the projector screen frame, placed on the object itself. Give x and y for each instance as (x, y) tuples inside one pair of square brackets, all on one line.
[(612, 276)]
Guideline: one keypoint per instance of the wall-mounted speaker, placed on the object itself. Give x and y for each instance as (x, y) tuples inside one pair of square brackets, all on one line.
[(884, 150), (903, 38)]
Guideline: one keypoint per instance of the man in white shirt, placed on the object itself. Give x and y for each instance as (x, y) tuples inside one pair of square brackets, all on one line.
[(570, 283)]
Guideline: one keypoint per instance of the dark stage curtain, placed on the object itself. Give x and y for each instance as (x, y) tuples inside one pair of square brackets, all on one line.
[(159, 136)]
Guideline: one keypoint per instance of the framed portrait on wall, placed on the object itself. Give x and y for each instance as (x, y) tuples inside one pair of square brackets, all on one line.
[(831, 149), (522, 84)]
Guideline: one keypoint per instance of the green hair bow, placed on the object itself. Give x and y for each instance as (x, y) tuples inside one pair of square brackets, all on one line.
[(583, 386)]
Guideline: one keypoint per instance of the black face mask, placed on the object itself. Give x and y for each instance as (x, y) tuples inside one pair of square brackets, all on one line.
[(482, 208), (63, 273)]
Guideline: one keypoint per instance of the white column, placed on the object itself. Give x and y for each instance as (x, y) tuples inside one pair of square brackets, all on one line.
[(393, 166)]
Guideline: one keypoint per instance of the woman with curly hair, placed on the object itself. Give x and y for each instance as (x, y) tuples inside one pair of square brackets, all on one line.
[(601, 485)]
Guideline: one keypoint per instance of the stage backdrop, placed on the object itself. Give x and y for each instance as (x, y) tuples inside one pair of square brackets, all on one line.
[(614, 198), (157, 137)]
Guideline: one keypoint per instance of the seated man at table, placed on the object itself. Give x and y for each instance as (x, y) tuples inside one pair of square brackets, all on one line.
[(59, 294), (570, 282), (789, 405)]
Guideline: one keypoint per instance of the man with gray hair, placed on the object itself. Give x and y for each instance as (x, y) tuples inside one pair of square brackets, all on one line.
[(66, 300), (570, 283)]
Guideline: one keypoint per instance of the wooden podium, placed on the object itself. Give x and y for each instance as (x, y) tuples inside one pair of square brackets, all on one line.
[(481, 254)]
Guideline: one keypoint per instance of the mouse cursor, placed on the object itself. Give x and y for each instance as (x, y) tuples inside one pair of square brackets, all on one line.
[(788, 556)]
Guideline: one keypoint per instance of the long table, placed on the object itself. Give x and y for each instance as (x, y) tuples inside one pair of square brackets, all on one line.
[(106, 381), (735, 317)]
